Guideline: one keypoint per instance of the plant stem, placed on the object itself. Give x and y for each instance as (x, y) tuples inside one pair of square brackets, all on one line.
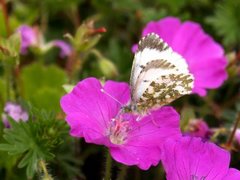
[(122, 173), (5, 15), (43, 167), (8, 82), (108, 166), (231, 137), (96, 53), (43, 16)]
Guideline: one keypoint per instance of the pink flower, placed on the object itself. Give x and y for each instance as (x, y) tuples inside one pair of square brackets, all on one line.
[(28, 37), (193, 159), (237, 136), (65, 49), (32, 37), (204, 56), (97, 118), (198, 128), (15, 111)]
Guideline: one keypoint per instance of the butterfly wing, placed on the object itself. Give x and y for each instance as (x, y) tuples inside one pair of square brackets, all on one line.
[(159, 75)]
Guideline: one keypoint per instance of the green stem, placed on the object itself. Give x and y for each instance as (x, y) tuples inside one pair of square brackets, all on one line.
[(122, 173), (43, 167), (5, 16), (160, 172), (43, 16), (231, 137), (108, 167), (8, 82), (96, 53)]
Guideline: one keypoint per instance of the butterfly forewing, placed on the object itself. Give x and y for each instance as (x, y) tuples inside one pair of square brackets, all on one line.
[(159, 75)]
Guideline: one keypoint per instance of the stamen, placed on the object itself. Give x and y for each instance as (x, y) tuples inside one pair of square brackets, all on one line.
[(118, 130)]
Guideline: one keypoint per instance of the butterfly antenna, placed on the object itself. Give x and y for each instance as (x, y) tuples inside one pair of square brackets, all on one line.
[(103, 91)]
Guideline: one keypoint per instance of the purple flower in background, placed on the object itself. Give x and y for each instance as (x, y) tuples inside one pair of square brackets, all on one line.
[(204, 56), (193, 159), (96, 117), (237, 136), (65, 48), (198, 128), (28, 37), (15, 111), (31, 37)]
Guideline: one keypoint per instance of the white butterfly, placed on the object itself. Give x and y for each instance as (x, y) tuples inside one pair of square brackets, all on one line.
[(159, 75)]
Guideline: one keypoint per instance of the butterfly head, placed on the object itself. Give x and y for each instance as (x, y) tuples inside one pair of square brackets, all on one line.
[(135, 109)]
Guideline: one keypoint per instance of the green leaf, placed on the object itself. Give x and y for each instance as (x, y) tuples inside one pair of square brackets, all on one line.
[(90, 43), (9, 49), (5, 147), (25, 160), (226, 22), (3, 31), (32, 165), (41, 83), (33, 140), (108, 69)]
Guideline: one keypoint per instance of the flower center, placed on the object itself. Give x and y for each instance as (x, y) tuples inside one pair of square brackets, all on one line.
[(118, 130)]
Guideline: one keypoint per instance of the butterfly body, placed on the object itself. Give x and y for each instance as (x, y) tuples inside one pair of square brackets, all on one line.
[(159, 76)]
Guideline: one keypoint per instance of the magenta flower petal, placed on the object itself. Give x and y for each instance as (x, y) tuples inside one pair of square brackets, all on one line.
[(98, 118), (233, 174), (204, 56), (65, 48), (89, 111), (191, 158), (165, 27), (28, 37), (144, 140)]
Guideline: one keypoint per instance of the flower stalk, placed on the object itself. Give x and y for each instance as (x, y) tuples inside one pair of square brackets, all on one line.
[(5, 15), (231, 137), (108, 166), (122, 173), (46, 175)]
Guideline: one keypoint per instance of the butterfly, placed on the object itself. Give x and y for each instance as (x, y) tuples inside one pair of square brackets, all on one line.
[(159, 76)]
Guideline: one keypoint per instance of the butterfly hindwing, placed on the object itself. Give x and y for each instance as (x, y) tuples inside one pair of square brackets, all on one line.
[(159, 75)]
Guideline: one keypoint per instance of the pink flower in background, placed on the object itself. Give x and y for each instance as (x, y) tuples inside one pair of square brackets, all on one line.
[(15, 111), (96, 117), (193, 159), (237, 136), (65, 49), (198, 128), (31, 37), (204, 56), (28, 37)]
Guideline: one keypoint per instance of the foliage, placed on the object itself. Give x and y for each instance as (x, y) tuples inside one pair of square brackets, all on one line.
[(41, 83), (33, 141), (226, 22), (9, 49)]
